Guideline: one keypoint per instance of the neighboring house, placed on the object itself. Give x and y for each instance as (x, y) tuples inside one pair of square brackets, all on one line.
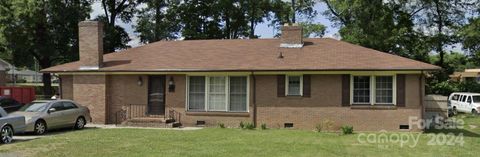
[(4, 67), (468, 75), (286, 82), (29, 76)]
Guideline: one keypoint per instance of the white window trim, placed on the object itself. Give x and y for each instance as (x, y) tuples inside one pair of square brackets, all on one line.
[(207, 87), (286, 85), (373, 90)]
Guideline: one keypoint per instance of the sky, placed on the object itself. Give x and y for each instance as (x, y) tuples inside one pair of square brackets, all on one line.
[(262, 29)]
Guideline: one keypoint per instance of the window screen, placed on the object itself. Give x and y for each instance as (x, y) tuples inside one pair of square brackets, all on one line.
[(361, 89), (384, 89), (196, 94), (294, 85), (238, 93), (217, 94)]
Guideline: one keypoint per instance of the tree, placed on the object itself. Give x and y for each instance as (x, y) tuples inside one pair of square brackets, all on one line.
[(157, 21), (384, 26), (257, 10), (311, 29), (470, 35), (444, 16), (45, 31), (115, 37), (200, 19)]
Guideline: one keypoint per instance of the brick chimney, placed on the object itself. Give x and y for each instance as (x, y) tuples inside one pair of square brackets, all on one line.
[(90, 34), (292, 36)]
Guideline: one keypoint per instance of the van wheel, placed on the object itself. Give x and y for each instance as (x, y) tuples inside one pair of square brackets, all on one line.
[(455, 112), (474, 112), (80, 123)]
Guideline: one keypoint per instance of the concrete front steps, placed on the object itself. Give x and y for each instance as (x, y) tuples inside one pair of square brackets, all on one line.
[(156, 122)]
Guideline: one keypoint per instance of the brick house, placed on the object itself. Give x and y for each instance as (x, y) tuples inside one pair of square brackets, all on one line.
[(286, 82)]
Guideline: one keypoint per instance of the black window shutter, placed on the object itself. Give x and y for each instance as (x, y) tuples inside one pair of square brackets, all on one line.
[(346, 90), (401, 90), (306, 86), (281, 85)]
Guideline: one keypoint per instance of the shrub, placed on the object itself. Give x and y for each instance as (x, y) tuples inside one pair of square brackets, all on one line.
[(264, 126), (249, 126), (221, 125), (325, 125), (242, 126), (347, 129)]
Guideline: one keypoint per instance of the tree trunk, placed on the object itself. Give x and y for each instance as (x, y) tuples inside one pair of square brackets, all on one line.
[(47, 85)]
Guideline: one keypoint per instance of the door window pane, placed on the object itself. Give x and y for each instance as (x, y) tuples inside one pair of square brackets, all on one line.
[(217, 94), (384, 89), (361, 89), (238, 94), (196, 94)]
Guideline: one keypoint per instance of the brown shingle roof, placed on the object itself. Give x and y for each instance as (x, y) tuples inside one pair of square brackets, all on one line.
[(249, 55)]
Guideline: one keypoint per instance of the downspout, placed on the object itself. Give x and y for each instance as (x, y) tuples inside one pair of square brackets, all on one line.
[(422, 93), (254, 100)]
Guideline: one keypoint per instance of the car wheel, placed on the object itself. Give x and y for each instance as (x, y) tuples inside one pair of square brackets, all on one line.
[(6, 134), (40, 128), (455, 112), (474, 112), (80, 123)]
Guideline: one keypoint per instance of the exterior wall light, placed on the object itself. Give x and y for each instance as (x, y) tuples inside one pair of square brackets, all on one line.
[(171, 85), (140, 81)]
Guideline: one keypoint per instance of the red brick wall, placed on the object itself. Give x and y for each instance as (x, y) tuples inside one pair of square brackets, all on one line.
[(66, 87), (324, 103), (90, 91), (124, 90)]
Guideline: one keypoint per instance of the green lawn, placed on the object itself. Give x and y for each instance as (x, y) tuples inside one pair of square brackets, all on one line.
[(236, 142)]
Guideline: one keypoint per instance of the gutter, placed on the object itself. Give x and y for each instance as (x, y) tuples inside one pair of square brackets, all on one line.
[(230, 70)]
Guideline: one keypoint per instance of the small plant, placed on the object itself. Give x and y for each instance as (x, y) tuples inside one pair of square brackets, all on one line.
[(221, 125), (347, 129), (264, 126), (249, 126), (242, 126), (325, 125)]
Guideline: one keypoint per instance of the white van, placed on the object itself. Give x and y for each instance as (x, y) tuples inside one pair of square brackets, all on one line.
[(464, 102)]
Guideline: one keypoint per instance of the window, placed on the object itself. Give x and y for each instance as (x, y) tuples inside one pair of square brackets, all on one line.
[(238, 94), (196, 93), (463, 98), (68, 105), (372, 89), (455, 97), (57, 106), (361, 89), (218, 93), (469, 99), (294, 85), (384, 89), (476, 99)]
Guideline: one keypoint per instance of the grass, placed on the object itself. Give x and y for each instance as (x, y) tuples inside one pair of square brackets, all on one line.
[(236, 142)]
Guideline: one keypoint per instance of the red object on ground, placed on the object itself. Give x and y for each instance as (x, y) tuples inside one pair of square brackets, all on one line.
[(21, 94)]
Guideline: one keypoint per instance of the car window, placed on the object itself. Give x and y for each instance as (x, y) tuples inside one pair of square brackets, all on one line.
[(469, 99), (476, 99), (455, 97), (58, 106), (463, 98), (68, 105), (34, 107)]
